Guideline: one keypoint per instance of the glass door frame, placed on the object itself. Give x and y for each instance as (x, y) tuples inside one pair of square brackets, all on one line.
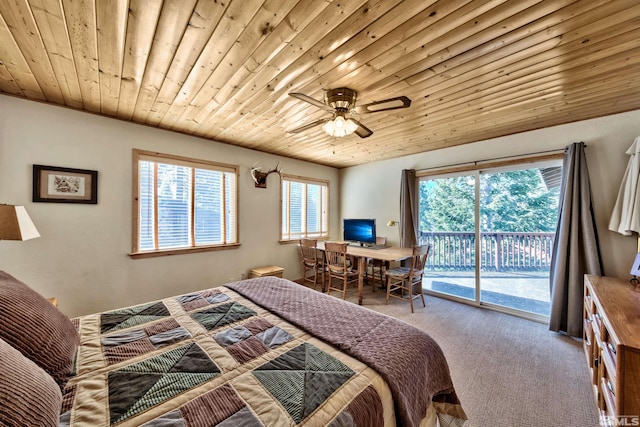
[(465, 174), (476, 173)]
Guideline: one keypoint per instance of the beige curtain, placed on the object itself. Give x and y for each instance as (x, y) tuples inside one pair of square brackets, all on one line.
[(575, 249), (408, 209)]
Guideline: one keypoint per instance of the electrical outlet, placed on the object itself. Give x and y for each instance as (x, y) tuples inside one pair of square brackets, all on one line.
[(243, 276)]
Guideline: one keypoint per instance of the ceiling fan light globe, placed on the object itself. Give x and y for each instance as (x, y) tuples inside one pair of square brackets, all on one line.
[(340, 127), (340, 132), (350, 126), (329, 127)]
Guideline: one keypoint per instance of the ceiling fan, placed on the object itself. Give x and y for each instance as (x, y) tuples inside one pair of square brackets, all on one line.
[(340, 102)]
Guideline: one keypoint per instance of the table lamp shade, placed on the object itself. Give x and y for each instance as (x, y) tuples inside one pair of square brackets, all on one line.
[(15, 224)]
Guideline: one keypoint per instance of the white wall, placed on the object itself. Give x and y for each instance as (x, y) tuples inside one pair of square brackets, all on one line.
[(82, 255), (374, 189)]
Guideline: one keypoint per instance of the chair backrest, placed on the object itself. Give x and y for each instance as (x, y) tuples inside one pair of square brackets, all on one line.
[(420, 254), (308, 251), (336, 255)]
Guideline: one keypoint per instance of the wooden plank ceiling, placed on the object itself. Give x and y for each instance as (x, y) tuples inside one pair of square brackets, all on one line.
[(222, 70)]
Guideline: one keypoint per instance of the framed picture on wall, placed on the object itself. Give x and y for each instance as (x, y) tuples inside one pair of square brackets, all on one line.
[(635, 268), (64, 185)]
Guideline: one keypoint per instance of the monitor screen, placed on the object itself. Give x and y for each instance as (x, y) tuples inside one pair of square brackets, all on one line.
[(360, 230)]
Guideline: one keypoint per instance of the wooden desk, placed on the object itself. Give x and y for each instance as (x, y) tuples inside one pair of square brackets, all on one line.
[(362, 253)]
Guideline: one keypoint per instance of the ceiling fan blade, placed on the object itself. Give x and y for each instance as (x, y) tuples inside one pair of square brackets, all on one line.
[(385, 104), (362, 131), (308, 126), (312, 101)]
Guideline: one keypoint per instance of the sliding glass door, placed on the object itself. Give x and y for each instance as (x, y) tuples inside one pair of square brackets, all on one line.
[(447, 221), (518, 215), (492, 233)]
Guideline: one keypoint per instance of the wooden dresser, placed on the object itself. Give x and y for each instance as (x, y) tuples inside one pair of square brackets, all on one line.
[(612, 346)]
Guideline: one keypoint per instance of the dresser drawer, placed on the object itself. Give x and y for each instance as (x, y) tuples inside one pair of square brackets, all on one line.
[(587, 341), (607, 389)]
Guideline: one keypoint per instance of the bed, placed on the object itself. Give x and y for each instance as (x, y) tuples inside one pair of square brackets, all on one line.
[(259, 352)]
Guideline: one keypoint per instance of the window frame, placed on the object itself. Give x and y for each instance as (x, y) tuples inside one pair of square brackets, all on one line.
[(324, 233), (171, 159)]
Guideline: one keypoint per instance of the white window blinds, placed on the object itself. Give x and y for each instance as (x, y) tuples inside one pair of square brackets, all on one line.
[(304, 208), (184, 203)]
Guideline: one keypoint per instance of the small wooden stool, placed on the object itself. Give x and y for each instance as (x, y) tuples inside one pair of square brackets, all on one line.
[(270, 270)]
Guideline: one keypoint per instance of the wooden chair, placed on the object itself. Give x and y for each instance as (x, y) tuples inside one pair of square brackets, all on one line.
[(377, 265), (406, 279), (311, 262), (339, 267)]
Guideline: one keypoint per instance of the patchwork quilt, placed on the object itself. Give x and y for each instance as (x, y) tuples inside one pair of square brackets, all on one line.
[(216, 358)]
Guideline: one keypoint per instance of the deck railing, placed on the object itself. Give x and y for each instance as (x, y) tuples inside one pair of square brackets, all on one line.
[(498, 251)]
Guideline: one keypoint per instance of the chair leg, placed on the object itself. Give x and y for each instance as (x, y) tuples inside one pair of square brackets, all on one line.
[(319, 278), (344, 287), (410, 294), (388, 289), (373, 277)]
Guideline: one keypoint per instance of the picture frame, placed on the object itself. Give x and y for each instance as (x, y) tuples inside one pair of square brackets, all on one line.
[(53, 184), (635, 267)]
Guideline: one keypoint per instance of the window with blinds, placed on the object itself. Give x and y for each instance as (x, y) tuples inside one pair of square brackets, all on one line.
[(304, 208), (183, 204)]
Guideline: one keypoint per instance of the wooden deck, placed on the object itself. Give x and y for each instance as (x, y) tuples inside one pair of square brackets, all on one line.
[(524, 291)]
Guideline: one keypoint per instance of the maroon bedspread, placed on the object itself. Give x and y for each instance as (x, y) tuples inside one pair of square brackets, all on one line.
[(409, 360)]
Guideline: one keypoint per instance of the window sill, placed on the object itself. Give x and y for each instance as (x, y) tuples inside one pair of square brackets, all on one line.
[(165, 252)]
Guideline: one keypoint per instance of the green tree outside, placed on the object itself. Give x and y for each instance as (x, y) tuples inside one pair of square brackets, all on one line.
[(514, 201)]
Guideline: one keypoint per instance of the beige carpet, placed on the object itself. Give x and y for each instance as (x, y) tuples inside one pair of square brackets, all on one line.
[(508, 372)]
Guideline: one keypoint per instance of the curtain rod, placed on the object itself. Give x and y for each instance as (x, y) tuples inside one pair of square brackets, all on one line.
[(478, 162)]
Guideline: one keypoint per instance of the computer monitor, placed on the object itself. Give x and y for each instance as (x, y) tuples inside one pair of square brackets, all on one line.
[(360, 230)]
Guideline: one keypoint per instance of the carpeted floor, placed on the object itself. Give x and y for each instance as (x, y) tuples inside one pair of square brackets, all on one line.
[(508, 371)]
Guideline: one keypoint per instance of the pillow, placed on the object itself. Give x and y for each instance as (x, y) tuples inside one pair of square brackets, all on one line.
[(36, 328), (28, 395)]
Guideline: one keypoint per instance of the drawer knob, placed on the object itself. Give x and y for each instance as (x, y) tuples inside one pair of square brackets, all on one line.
[(610, 387)]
